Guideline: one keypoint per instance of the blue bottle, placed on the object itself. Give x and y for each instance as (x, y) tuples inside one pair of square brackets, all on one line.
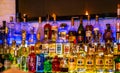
[(40, 63)]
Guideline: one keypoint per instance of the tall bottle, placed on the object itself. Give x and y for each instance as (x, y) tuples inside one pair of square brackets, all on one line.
[(72, 32), (88, 32), (118, 24), (47, 30), (11, 26), (81, 32), (18, 29), (96, 35), (24, 27), (54, 29), (32, 60)]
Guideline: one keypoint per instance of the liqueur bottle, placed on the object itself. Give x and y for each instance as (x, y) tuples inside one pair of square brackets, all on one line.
[(47, 30), (47, 65), (107, 36), (32, 60), (64, 64), (81, 32), (88, 31), (72, 32), (56, 64), (54, 29), (11, 27), (40, 62), (96, 34)]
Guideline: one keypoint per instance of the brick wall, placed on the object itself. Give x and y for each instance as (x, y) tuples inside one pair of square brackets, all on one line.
[(7, 9)]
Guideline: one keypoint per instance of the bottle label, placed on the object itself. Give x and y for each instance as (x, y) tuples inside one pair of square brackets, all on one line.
[(40, 62), (45, 48), (66, 48), (24, 59), (80, 38), (108, 61), (32, 64), (117, 66), (59, 48), (99, 61), (81, 63), (88, 33), (52, 48)]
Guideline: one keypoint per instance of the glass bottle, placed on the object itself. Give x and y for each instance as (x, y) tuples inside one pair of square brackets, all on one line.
[(71, 64), (117, 64), (81, 32), (66, 49), (23, 56), (96, 35), (18, 31), (56, 64), (54, 29), (72, 32), (88, 31), (47, 65), (11, 27), (32, 60), (108, 57), (108, 35), (47, 30), (118, 24), (52, 49), (40, 62), (64, 64), (24, 27)]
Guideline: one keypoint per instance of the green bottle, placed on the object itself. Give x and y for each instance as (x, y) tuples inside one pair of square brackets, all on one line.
[(7, 60), (47, 65), (117, 64)]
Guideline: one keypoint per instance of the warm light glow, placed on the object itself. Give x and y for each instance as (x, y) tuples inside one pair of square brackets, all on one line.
[(86, 13)]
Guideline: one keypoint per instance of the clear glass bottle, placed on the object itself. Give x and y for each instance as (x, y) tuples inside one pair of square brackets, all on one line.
[(54, 29), (11, 27)]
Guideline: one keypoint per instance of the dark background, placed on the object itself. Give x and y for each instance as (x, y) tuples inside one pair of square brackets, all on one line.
[(35, 8)]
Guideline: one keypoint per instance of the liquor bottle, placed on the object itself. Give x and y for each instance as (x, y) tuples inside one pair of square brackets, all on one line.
[(99, 58), (54, 29), (24, 27), (108, 57), (40, 62), (80, 66), (62, 33), (64, 64), (47, 65), (56, 64), (47, 30), (11, 27), (23, 56), (72, 32), (118, 24), (71, 64), (18, 29), (32, 38), (107, 36), (32, 60), (117, 64), (59, 49), (96, 34), (45, 49), (7, 59), (66, 49), (88, 31), (81, 32)]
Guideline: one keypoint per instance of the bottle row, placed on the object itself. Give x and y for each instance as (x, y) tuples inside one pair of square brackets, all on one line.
[(61, 57)]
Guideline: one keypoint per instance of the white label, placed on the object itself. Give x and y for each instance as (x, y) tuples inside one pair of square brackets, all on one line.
[(59, 48), (66, 48)]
